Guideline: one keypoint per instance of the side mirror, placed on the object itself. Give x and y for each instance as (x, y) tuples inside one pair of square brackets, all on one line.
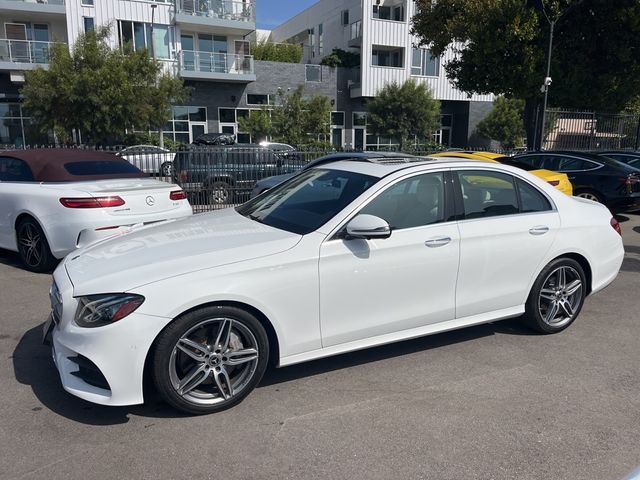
[(368, 227)]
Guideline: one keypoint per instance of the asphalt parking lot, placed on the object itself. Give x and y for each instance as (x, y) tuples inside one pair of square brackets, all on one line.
[(488, 402)]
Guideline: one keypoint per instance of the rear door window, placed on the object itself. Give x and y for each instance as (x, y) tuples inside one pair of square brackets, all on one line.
[(531, 199), (14, 170), (488, 194)]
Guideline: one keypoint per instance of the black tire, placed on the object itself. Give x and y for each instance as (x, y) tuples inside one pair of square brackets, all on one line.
[(199, 328), (589, 194), (33, 247), (219, 193), (166, 169), (547, 291)]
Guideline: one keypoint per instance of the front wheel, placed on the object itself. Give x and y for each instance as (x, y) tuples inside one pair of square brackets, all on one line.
[(557, 296), (166, 169), (220, 193), (210, 359), (33, 247)]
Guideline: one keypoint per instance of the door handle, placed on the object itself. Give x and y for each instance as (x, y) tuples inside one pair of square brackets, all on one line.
[(539, 230), (438, 242)]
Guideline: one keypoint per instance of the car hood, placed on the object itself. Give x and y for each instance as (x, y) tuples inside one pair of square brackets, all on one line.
[(174, 248)]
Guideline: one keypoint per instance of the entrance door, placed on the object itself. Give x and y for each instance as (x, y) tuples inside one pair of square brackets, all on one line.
[(358, 139), (196, 129)]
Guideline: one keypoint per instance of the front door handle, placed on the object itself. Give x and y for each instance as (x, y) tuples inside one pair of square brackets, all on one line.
[(438, 242), (539, 230)]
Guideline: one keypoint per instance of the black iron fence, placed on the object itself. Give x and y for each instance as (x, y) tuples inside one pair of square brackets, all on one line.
[(575, 130)]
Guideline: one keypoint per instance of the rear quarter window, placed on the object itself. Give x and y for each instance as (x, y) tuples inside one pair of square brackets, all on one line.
[(14, 170)]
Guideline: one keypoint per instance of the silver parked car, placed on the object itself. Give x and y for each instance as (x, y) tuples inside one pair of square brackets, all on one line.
[(149, 158)]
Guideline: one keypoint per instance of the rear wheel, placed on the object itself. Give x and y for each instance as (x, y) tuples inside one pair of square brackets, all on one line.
[(219, 193), (589, 195), (33, 247), (166, 169), (210, 359), (557, 296)]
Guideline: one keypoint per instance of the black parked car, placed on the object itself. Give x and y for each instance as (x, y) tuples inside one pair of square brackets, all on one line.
[(221, 175), (595, 177), (625, 156), (215, 139)]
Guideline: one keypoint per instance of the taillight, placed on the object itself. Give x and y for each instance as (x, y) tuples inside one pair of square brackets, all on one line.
[(555, 183), (177, 195), (616, 226), (97, 202)]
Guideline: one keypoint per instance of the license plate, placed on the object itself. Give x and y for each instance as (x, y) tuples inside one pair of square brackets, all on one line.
[(47, 329)]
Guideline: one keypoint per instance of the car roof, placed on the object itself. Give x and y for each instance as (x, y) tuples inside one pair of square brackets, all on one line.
[(47, 164)]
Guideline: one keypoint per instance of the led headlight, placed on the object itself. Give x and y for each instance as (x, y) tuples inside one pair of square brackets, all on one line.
[(99, 310)]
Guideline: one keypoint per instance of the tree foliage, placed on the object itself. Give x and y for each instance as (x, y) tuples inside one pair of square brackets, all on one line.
[(505, 123), (257, 123), (341, 58), (503, 43), (276, 52), (404, 111), (99, 91), (298, 120)]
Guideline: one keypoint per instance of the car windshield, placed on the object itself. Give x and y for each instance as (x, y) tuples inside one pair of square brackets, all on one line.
[(307, 201)]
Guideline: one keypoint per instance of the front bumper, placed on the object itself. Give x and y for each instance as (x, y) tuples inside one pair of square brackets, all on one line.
[(115, 355)]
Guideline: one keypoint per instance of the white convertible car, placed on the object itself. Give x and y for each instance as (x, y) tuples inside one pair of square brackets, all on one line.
[(55, 200), (341, 257)]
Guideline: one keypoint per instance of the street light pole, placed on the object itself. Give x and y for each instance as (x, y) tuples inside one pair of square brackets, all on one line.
[(546, 85)]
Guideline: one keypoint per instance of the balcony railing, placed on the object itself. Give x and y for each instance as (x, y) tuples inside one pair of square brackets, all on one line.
[(25, 51), (356, 30), (207, 62), (223, 9)]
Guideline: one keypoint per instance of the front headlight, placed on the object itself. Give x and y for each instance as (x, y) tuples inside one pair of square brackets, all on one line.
[(99, 310)]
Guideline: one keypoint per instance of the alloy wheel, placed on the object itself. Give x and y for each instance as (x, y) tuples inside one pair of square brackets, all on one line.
[(589, 196), (560, 296), (213, 361), (30, 244)]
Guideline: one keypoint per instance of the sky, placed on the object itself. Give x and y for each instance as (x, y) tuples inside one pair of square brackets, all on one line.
[(272, 13)]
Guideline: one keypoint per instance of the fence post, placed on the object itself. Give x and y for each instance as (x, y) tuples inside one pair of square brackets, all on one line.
[(637, 146), (593, 130)]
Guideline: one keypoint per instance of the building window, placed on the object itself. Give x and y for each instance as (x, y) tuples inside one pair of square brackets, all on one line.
[(387, 56), (320, 40), (337, 119), (345, 17), (88, 24), (424, 64), (389, 12), (17, 128), (359, 119), (337, 129), (312, 42), (139, 36), (185, 123), (313, 73), (227, 115), (257, 99), (87, 3)]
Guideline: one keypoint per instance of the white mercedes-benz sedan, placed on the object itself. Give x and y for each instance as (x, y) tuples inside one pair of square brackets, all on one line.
[(53, 201), (340, 257)]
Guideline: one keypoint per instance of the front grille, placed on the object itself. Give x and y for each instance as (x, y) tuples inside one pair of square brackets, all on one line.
[(89, 373)]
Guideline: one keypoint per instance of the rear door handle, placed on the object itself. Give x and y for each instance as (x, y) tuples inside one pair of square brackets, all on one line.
[(438, 242), (539, 230)]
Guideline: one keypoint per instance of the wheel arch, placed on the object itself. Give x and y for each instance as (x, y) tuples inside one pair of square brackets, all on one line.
[(274, 343), (584, 263), (28, 215)]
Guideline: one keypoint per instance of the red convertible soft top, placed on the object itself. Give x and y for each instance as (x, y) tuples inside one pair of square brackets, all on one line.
[(73, 165)]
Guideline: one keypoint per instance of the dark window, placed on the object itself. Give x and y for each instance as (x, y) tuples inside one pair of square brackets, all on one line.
[(227, 115), (337, 119), (255, 99), (307, 201), (573, 164), (531, 200), (345, 17), (387, 57), (414, 202), (487, 194), (533, 160), (100, 167), (14, 170), (88, 24), (382, 13)]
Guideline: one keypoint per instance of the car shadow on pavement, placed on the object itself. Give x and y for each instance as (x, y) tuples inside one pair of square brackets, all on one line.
[(33, 366), (398, 349), (7, 257), (631, 261)]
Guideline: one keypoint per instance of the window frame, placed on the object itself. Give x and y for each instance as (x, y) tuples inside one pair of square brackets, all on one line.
[(459, 201)]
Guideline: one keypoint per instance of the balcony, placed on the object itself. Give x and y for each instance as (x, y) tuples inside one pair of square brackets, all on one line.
[(355, 37), (24, 54), (55, 7), (224, 16), (222, 67)]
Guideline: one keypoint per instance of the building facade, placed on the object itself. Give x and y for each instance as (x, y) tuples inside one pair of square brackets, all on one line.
[(380, 32)]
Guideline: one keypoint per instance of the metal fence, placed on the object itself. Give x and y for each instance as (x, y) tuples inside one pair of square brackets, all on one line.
[(575, 130)]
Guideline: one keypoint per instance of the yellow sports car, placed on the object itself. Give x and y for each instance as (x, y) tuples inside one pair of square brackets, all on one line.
[(558, 180)]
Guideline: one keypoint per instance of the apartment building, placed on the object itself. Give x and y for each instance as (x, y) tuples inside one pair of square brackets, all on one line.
[(379, 31)]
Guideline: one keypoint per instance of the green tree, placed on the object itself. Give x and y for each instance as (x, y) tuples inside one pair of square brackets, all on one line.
[(501, 48), (341, 58), (101, 92), (404, 111), (505, 123), (276, 52), (257, 123), (298, 120)]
